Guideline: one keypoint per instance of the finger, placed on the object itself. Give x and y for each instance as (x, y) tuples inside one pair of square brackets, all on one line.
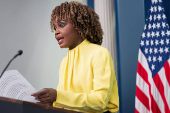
[(34, 94), (36, 98), (43, 91), (39, 92), (39, 102), (43, 96), (47, 99)]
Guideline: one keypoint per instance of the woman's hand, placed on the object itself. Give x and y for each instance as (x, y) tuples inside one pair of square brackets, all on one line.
[(46, 96)]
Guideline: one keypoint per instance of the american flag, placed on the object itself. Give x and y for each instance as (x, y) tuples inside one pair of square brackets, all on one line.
[(153, 71)]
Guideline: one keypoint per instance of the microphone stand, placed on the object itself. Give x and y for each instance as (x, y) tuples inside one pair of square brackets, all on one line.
[(19, 53)]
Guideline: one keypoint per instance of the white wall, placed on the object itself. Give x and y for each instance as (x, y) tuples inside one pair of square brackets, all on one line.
[(25, 24)]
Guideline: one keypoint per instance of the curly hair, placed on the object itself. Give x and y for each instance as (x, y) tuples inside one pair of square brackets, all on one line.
[(84, 19)]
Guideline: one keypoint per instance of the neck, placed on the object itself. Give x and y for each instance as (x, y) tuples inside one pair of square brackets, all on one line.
[(78, 42)]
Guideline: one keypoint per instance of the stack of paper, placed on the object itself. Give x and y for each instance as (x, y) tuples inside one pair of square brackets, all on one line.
[(14, 85)]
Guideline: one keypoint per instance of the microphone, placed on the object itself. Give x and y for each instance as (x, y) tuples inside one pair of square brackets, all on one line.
[(19, 53)]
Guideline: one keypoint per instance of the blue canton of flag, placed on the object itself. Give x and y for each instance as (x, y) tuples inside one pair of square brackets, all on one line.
[(155, 38)]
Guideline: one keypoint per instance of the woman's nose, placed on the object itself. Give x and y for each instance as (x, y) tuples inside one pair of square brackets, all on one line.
[(57, 32)]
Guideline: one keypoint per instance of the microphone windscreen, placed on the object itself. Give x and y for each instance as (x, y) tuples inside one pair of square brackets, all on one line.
[(20, 52)]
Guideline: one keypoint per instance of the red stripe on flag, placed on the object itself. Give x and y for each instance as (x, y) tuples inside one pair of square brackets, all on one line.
[(136, 111), (154, 106), (167, 71), (160, 88), (142, 72), (150, 93), (142, 97)]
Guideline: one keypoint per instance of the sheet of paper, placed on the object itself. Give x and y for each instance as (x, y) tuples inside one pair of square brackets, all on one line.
[(14, 85)]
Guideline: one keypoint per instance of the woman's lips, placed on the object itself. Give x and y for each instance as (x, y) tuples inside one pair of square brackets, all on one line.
[(60, 41)]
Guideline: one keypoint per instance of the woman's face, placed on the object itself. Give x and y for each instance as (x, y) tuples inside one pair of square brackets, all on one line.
[(66, 35)]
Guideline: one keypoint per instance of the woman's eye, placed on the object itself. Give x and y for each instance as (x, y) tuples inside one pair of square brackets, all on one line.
[(54, 28), (61, 25)]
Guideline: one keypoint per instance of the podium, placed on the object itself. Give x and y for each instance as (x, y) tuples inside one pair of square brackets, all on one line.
[(8, 105)]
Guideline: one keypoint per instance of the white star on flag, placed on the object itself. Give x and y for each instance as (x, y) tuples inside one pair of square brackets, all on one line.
[(155, 50), (156, 42), (151, 9), (158, 25), (166, 50), (163, 16), (162, 41), (148, 34), (154, 59), (150, 18), (156, 1), (161, 50), (142, 43), (167, 41), (149, 26), (160, 1), (145, 27), (163, 33), (163, 24), (154, 26), (159, 16), (160, 58), (153, 34), (155, 17), (143, 35), (155, 8), (159, 8), (149, 58), (152, 43), (153, 1), (147, 42), (153, 67), (146, 51), (150, 50), (168, 33), (157, 34)]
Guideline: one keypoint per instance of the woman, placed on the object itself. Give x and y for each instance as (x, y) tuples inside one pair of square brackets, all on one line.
[(87, 80)]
